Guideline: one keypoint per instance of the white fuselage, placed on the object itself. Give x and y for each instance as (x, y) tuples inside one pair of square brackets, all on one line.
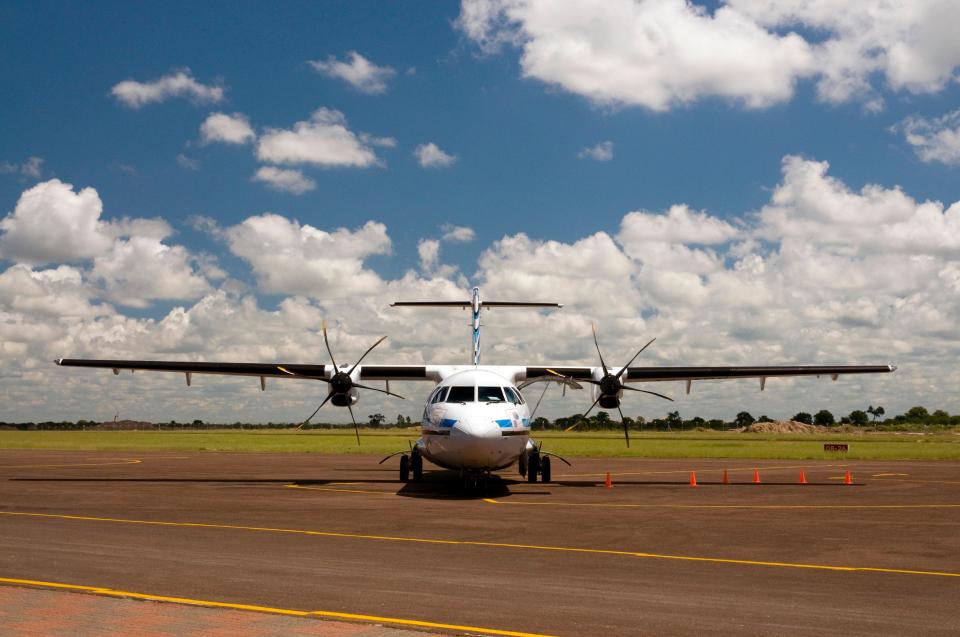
[(475, 419)]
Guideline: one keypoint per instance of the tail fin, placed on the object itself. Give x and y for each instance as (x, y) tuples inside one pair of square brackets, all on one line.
[(476, 305)]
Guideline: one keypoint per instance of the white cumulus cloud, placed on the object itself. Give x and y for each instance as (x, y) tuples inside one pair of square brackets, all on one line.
[(358, 71), (323, 140), (662, 53), (291, 258), (601, 152), (230, 129), (457, 234), (285, 179), (430, 155), (180, 84), (934, 139)]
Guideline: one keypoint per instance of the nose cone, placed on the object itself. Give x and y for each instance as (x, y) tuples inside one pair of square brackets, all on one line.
[(475, 427)]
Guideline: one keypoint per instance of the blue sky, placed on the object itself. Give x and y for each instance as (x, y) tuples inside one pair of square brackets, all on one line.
[(517, 122)]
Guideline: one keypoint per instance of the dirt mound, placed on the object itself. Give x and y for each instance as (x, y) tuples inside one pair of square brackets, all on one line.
[(784, 427)]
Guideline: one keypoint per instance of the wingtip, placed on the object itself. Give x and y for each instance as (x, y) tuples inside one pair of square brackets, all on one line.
[(893, 368), (58, 361)]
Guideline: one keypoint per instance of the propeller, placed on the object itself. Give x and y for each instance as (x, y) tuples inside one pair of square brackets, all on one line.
[(611, 385), (341, 383)]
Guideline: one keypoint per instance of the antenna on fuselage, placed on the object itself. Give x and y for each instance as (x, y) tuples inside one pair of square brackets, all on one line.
[(476, 305)]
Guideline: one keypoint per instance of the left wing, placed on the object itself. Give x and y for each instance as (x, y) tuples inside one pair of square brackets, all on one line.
[(263, 370), (656, 374)]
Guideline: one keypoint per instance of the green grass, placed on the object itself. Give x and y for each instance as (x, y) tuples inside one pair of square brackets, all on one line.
[(938, 446)]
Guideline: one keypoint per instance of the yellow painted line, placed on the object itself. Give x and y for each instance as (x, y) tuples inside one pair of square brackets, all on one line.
[(888, 475), (920, 481), (615, 505), (329, 614), (338, 490), (118, 461), (498, 545), (602, 474)]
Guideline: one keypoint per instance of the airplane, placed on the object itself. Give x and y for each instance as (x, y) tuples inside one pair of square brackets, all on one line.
[(477, 420)]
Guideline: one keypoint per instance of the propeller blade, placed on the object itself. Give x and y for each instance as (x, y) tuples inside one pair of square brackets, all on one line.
[(287, 371), (382, 391), (584, 417), (652, 393), (327, 342), (567, 380), (356, 427), (546, 386), (382, 339), (307, 421), (602, 364), (635, 357), (626, 431)]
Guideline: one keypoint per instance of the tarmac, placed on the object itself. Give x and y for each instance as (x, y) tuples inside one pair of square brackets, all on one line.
[(242, 543)]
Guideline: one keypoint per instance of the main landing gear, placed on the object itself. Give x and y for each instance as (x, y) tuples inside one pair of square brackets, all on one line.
[(411, 464), (533, 464)]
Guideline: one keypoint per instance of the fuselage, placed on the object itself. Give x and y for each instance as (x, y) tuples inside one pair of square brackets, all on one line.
[(475, 419)]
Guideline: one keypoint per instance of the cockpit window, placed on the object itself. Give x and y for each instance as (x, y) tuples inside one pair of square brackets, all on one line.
[(460, 394), (490, 395), (438, 395), (512, 396)]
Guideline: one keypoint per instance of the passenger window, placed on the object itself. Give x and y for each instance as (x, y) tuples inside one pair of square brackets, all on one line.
[(490, 395), (460, 395)]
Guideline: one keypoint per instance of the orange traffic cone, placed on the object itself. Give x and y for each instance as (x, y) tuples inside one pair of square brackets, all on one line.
[(608, 483), (756, 476), (803, 477), (693, 478), (847, 479), (726, 480)]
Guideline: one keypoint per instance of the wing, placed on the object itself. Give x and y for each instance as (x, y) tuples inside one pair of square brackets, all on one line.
[(657, 374), (263, 370)]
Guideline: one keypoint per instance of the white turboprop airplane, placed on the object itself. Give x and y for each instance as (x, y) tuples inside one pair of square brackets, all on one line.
[(476, 420)]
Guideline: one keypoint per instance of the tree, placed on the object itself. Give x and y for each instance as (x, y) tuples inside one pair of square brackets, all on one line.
[(803, 417), (540, 423), (917, 414), (376, 419), (764, 418), (674, 420), (876, 412), (824, 418), (858, 417), (743, 419)]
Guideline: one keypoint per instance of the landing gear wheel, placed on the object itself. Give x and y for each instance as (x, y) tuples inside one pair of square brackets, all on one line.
[(416, 465), (404, 468), (522, 464), (533, 467), (545, 469)]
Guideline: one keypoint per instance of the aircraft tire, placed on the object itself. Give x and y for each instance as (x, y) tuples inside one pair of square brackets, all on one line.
[(404, 468), (416, 465), (533, 467), (545, 469)]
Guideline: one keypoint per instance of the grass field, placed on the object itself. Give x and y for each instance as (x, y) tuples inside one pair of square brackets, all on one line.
[(939, 446)]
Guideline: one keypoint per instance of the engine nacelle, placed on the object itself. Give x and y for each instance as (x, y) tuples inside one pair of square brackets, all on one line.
[(349, 398)]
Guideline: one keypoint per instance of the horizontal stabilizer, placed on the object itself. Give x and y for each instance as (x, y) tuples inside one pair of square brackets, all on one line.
[(469, 303)]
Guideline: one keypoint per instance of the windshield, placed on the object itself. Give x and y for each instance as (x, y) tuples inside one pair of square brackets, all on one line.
[(460, 395), (513, 396), (490, 394)]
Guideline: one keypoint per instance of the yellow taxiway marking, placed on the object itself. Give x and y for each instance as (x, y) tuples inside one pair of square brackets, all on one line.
[(495, 545), (615, 505), (339, 490), (117, 461), (888, 475), (328, 614), (602, 474)]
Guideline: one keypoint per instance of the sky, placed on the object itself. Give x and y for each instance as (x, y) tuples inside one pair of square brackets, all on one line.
[(752, 183)]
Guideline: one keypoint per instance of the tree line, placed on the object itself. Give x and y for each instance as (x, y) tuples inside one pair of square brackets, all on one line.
[(870, 417)]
